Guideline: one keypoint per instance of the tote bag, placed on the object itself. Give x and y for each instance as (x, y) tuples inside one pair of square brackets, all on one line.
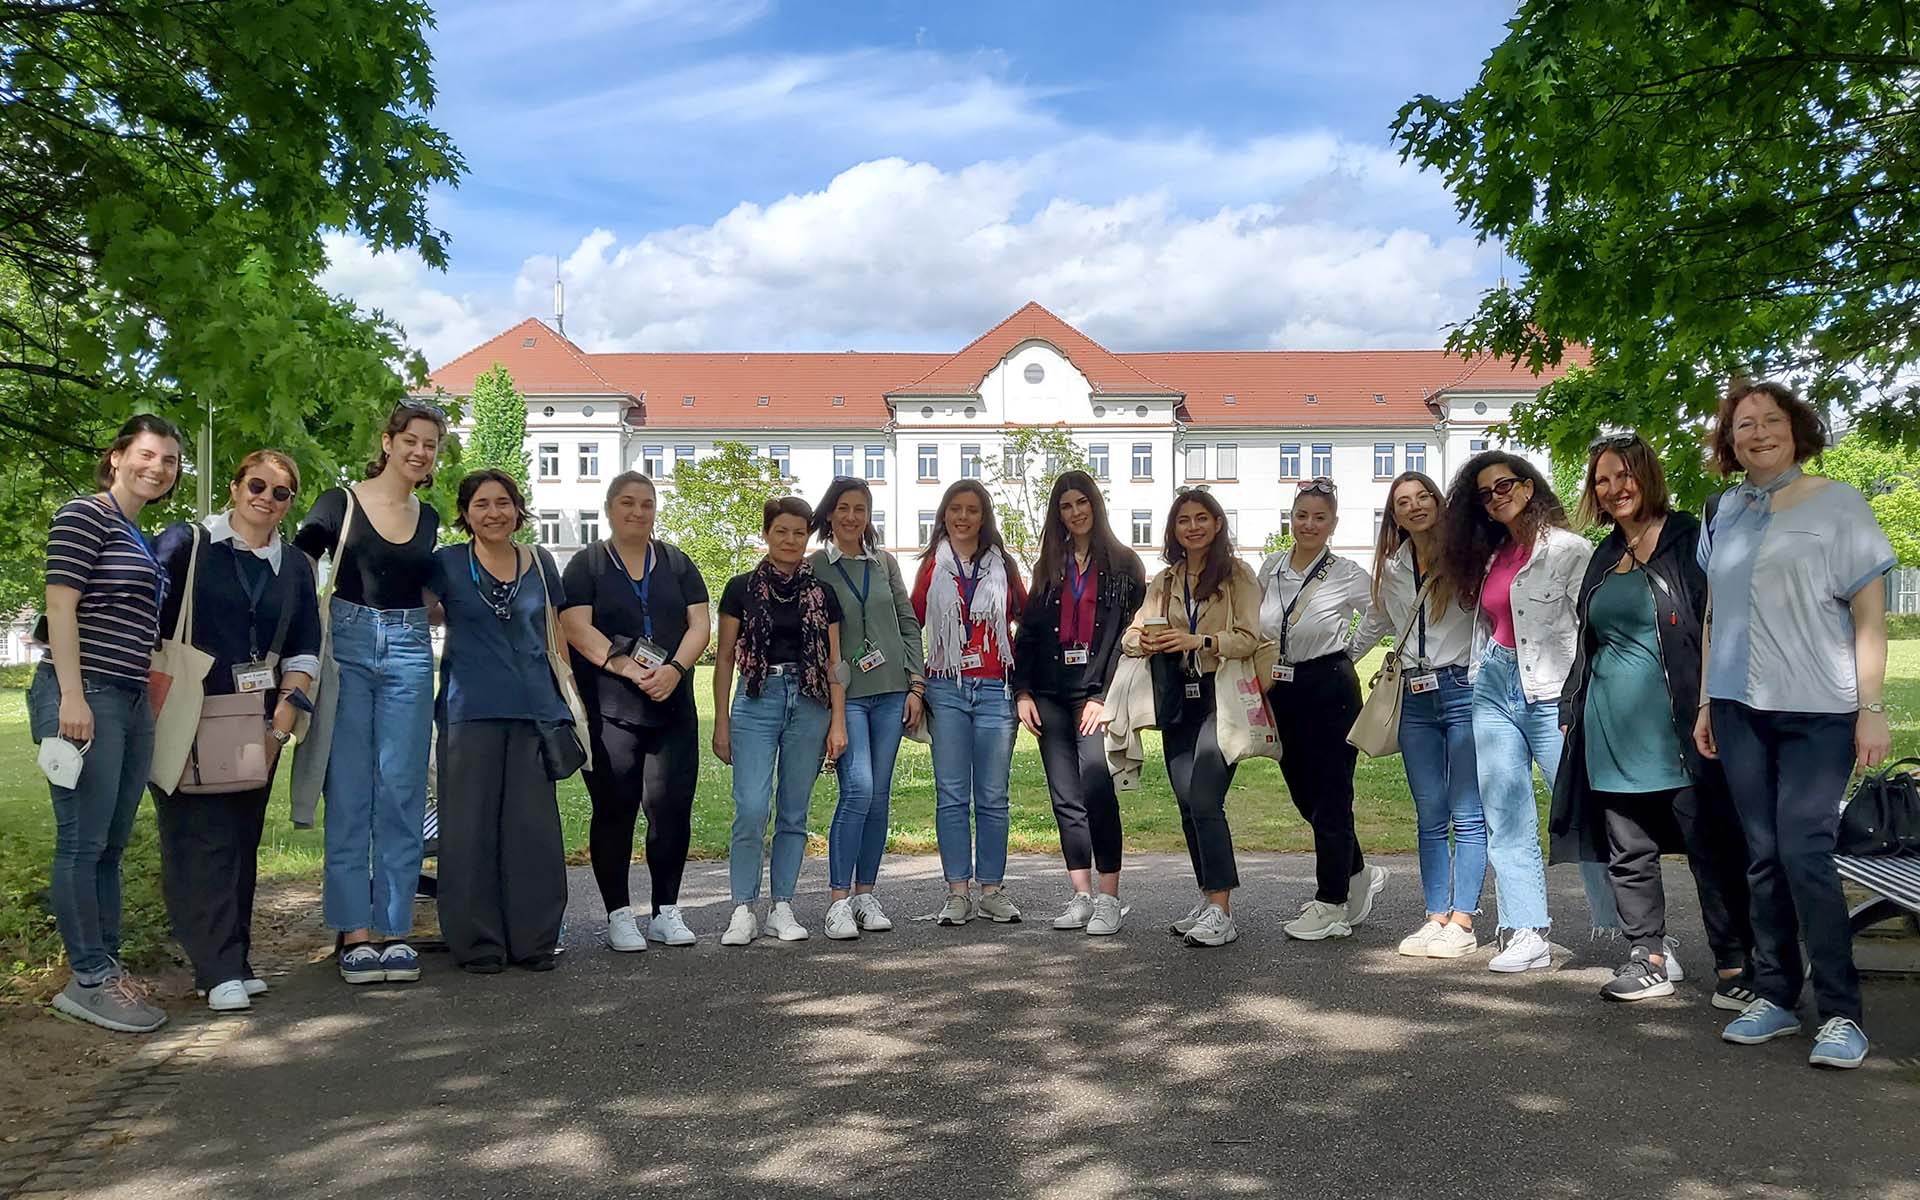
[(230, 748), (1376, 733), (1242, 721), (176, 686), (316, 740)]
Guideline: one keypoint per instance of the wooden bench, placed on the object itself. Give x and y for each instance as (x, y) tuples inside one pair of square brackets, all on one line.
[(1896, 882)]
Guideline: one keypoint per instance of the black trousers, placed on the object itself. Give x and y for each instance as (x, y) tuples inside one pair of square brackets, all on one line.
[(637, 769), (503, 868), (1313, 715), (209, 855), (1787, 772), (1200, 776), (1638, 823), (1085, 806)]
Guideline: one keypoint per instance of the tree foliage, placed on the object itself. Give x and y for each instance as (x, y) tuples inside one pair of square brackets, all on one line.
[(1695, 190), (1888, 474), (499, 437), (712, 509), (1021, 479)]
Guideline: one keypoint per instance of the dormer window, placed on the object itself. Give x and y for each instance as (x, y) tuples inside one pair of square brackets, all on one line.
[(760, 402), (839, 401), (686, 402), (526, 343), (1312, 399), (1379, 398), (1229, 398)]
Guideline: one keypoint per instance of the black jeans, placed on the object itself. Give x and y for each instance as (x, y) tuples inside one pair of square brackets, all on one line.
[(1638, 823), (209, 855), (638, 768), (1314, 714), (503, 864), (1200, 776), (1085, 806), (1787, 772)]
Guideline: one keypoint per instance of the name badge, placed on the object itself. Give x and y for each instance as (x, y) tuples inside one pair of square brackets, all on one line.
[(1429, 682), (647, 654), (872, 659), (1282, 673), (1075, 656), (1193, 689), (251, 677), (971, 661)]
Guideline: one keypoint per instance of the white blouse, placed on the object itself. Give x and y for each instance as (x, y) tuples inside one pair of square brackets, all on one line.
[(1318, 628)]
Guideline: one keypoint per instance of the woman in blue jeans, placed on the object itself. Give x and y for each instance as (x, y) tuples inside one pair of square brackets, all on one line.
[(104, 592), (886, 695), (1436, 714), (967, 595), (1510, 553), (780, 626), (376, 766)]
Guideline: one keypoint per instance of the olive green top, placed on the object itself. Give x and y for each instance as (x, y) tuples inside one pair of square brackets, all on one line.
[(1631, 743), (884, 621)]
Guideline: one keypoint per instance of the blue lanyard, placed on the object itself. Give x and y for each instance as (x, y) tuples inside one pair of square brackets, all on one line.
[(253, 594), (1077, 588), (146, 552), (641, 588), (968, 585), (1193, 606), (866, 579)]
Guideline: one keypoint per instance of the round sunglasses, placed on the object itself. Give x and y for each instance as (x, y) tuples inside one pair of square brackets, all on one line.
[(257, 486)]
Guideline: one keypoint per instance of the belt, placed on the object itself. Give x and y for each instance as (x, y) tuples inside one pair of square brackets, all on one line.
[(774, 669)]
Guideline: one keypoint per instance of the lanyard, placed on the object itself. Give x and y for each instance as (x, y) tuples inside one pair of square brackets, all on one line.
[(640, 589), (1077, 588), (1419, 583), (253, 594), (866, 579), (146, 552), (1193, 620), (968, 585), (1318, 569)]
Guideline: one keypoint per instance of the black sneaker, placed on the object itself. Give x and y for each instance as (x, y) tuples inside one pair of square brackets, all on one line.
[(488, 965), (1637, 979), (1733, 994)]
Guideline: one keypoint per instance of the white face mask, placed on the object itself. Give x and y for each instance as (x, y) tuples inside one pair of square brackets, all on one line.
[(61, 760)]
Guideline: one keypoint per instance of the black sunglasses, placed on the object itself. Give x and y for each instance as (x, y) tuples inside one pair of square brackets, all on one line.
[(1612, 441), (1502, 489), (1319, 483), (257, 486)]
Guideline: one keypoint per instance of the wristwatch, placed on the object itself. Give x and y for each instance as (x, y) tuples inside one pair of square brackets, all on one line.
[(283, 736), (1875, 707), (1206, 641)]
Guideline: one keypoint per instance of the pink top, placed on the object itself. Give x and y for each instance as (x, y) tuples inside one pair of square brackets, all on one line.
[(1496, 595)]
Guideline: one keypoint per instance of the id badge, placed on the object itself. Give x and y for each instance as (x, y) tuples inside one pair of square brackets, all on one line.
[(872, 659), (1282, 673), (1417, 684), (971, 661), (249, 677), (1075, 656), (1193, 689), (647, 654)]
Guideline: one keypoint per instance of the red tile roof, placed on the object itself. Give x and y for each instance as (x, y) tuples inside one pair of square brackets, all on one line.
[(961, 374), (542, 363), (726, 388)]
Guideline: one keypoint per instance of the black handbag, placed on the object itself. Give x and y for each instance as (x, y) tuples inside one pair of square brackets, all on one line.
[(560, 750), (1883, 816)]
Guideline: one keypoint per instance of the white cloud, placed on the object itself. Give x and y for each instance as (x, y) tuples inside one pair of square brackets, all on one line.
[(438, 323)]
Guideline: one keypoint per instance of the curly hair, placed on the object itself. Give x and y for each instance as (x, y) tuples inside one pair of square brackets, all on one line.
[(1473, 537), (1809, 431)]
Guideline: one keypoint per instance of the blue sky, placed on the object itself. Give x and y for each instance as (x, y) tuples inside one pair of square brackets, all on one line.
[(749, 174)]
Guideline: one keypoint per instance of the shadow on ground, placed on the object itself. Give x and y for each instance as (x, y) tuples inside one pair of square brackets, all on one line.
[(1019, 1061)]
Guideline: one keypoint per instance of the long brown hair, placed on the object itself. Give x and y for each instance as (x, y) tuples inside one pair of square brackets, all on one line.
[(1056, 543), (404, 414), (1392, 537), (1220, 557), (989, 529), (1642, 463)]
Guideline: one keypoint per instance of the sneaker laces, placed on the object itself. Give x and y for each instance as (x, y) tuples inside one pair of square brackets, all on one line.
[(129, 990), (1834, 1029)]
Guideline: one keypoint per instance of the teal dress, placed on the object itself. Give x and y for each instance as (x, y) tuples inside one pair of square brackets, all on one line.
[(1630, 740)]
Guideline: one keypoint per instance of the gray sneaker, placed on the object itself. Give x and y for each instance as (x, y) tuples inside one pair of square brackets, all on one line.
[(957, 910), (997, 906), (1078, 912), (1185, 924), (1105, 921), (119, 1004)]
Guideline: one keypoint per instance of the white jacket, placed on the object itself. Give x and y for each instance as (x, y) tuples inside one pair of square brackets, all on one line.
[(1127, 709), (1546, 597)]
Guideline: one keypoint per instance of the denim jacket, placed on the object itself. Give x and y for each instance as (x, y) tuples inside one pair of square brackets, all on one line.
[(1545, 623)]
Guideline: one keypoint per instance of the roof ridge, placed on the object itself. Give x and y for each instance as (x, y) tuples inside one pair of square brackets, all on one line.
[(481, 345), (580, 356), (1004, 322)]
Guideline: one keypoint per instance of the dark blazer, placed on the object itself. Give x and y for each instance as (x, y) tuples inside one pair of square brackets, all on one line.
[(1037, 667), (1578, 832), (221, 608)]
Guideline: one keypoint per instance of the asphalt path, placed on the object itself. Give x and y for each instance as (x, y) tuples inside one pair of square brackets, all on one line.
[(1014, 1060)]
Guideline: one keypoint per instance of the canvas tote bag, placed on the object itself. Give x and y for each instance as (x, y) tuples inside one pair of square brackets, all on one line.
[(230, 750), (1243, 722), (176, 685), (1376, 733), (316, 740)]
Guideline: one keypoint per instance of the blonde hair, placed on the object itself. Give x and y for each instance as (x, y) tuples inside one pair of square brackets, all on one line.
[(278, 458)]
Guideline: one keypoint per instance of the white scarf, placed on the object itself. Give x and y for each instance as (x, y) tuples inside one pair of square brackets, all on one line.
[(947, 630)]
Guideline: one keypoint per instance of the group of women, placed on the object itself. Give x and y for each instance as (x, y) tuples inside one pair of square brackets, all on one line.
[(1518, 645)]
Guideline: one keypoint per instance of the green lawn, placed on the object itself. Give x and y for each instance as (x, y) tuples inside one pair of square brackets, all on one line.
[(1263, 818)]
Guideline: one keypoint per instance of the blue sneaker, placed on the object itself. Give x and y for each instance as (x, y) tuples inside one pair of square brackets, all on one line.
[(400, 962), (1838, 1044), (1762, 1022), (360, 963)]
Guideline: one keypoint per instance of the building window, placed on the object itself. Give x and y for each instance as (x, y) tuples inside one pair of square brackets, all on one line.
[(1016, 463), (1097, 460), (653, 461), (782, 457), (929, 465), (1379, 517), (1322, 460), (1142, 527), (1476, 445), (589, 460), (1383, 460), (1196, 463), (682, 457), (1286, 522), (1226, 461), (1416, 456), (842, 461), (879, 518), (926, 527), (549, 460), (550, 532), (589, 527), (970, 462), (1034, 373), (1290, 460), (876, 462), (1054, 465), (1143, 460), (1233, 526)]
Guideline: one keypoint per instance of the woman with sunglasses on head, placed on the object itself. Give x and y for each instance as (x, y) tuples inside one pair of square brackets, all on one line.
[(255, 611), (1411, 593), (780, 624), (104, 593), (1087, 586), (1510, 553), (638, 622), (503, 870), (967, 595), (1308, 599), (1796, 664), (1631, 784), (376, 764), (886, 694), (1204, 608)]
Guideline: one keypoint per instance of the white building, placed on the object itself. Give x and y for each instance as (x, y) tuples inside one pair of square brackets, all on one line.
[(1248, 423)]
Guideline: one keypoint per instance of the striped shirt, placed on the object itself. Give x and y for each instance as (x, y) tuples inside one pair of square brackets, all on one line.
[(94, 551)]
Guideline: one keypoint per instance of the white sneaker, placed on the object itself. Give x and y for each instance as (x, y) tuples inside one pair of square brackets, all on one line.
[(668, 928), (1105, 920), (1453, 941), (1670, 949), (230, 996), (841, 924), (1362, 890), (1214, 928), (1318, 920), (870, 916), (1078, 912), (255, 987), (623, 931), (1526, 951), (781, 923), (743, 928), (1415, 944), (957, 910), (1180, 927), (997, 906)]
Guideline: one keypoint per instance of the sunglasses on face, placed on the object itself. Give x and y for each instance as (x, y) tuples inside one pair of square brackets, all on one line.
[(257, 486), (1320, 484), (1501, 488)]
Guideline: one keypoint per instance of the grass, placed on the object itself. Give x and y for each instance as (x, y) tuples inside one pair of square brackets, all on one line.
[(1263, 818)]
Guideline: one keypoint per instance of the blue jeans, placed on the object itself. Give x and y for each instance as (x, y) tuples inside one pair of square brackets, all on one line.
[(779, 736), (1510, 735), (1436, 748), (377, 767), (858, 836), (973, 728), (93, 821)]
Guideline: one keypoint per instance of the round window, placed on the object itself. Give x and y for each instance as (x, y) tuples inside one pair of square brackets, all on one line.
[(547, 411), (926, 412), (1480, 408), (1141, 411), (586, 410), (1034, 373), (1099, 410), (969, 412)]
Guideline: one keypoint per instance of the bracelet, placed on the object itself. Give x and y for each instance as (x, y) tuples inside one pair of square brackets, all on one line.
[(675, 664)]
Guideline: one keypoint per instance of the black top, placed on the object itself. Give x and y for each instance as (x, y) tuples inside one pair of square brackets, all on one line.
[(226, 623), (786, 645), (1039, 664), (674, 585), (95, 551), (377, 573)]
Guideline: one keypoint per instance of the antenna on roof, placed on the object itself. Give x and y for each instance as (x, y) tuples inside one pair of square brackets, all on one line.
[(559, 299)]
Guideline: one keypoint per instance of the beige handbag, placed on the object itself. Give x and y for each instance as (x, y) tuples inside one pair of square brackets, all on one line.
[(316, 739), (176, 686), (1376, 733), (230, 749)]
